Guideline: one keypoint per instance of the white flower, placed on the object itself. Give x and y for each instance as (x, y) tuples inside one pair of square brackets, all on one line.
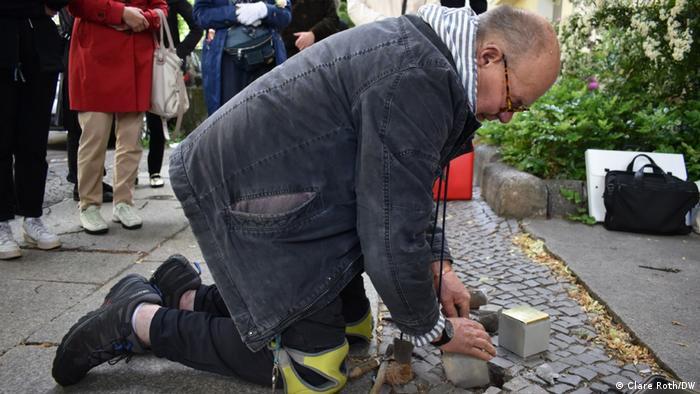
[(651, 48)]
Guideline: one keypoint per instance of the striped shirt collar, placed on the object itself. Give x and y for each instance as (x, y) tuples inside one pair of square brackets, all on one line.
[(456, 27)]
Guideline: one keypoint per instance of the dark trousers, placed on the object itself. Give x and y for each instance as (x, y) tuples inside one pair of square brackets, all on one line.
[(207, 339), (156, 143), (25, 113), (234, 79), (70, 123)]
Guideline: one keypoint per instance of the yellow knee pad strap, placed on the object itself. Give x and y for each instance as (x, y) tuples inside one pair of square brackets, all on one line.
[(328, 364), (362, 328)]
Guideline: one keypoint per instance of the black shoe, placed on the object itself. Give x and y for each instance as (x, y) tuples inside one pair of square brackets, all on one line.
[(107, 193), (102, 335), (130, 284), (174, 277)]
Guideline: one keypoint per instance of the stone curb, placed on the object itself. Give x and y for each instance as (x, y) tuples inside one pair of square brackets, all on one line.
[(516, 194)]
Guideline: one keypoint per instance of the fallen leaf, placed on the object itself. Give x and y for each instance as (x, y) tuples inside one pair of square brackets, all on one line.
[(681, 344), (677, 323)]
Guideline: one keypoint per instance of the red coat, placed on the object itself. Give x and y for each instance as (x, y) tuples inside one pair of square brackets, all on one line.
[(111, 70)]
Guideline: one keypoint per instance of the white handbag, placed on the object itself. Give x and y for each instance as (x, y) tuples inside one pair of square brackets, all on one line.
[(169, 94)]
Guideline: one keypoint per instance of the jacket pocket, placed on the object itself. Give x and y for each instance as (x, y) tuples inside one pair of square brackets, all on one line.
[(273, 213)]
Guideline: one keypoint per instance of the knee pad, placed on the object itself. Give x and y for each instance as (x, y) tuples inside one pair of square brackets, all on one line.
[(362, 328), (330, 364)]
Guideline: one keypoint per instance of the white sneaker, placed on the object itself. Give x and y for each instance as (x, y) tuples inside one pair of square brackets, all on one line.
[(126, 215), (36, 234), (9, 249), (92, 221)]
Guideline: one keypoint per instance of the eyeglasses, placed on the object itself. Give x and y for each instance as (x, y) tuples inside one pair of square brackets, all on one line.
[(509, 102)]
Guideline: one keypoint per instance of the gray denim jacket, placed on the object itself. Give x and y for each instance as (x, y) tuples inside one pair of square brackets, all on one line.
[(323, 168)]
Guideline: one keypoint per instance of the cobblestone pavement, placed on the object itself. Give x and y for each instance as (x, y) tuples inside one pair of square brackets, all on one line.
[(481, 243)]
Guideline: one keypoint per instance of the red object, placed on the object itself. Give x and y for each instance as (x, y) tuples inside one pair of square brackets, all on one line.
[(460, 182), (111, 70)]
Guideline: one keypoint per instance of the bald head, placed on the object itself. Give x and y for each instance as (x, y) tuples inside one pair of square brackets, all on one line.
[(521, 34), (531, 48)]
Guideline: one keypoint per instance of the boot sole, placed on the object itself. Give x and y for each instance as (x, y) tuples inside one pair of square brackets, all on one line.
[(43, 246), (10, 255), (133, 227), (96, 232)]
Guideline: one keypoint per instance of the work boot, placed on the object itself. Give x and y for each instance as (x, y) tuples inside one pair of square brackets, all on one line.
[(174, 277), (359, 334), (130, 284), (105, 334), (92, 221), (126, 215), (322, 372), (36, 234), (9, 248)]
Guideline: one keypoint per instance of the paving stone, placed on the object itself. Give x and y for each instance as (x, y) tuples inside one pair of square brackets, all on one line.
[(532, 389), (613, 380), (572, 380), (500, 362), (515, 384), (558, 367), (632, 376), (606, 369), (587, 358), (584, 372), (599, 388), (576, 349), (582, 390), (565, 338), (493, 390), (559, 388)]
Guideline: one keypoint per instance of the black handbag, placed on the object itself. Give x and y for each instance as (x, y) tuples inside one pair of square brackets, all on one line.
[(648, 202), (250, 46)]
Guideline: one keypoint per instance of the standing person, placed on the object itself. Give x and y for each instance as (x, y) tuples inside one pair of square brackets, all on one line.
[(366, 11), (319, 171), (70, 117), (29, 64), (312, 21), (478, 6), (111, 67), (224, 74), (156, 142)]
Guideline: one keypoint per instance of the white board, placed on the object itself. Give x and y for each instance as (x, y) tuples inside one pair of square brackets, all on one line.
[(597, 161)]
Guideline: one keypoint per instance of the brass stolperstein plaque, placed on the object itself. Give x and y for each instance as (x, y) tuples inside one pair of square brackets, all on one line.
[(526, 314)]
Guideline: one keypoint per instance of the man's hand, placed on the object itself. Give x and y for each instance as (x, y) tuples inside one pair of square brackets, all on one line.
[(454, 297), (470, 339), (249, 13), (133, 17), (304, 39)]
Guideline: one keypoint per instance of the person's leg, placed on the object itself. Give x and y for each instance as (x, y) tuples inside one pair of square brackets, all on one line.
[(91, 156), (156, 143), (356, 311), (206, 342), (232, 78), (8, 128), (9, 248), (36, 97), (70, 122), (127, 155)]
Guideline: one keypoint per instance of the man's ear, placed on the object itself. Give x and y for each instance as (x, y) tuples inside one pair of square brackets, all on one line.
[(488, 54)]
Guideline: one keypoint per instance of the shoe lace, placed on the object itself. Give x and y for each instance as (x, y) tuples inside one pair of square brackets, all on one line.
[(5, 233), (37, 226), (119, 350), (127, 212)]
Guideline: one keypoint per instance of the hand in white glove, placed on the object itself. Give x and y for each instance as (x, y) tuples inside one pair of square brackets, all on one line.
[(249, 13)]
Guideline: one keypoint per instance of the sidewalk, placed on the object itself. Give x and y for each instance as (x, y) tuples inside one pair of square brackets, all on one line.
[(44, 293)]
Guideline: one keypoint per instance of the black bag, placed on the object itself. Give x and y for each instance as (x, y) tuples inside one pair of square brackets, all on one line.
[(250, 46), (643, 202)]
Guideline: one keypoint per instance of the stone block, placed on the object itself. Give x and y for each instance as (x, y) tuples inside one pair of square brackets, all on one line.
[(512, 193), (524, 330), (483, 155), (464, 371), (516, 384), (557, 205)]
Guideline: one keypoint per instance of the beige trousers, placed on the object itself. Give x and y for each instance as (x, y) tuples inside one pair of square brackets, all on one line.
[(91, 155)]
